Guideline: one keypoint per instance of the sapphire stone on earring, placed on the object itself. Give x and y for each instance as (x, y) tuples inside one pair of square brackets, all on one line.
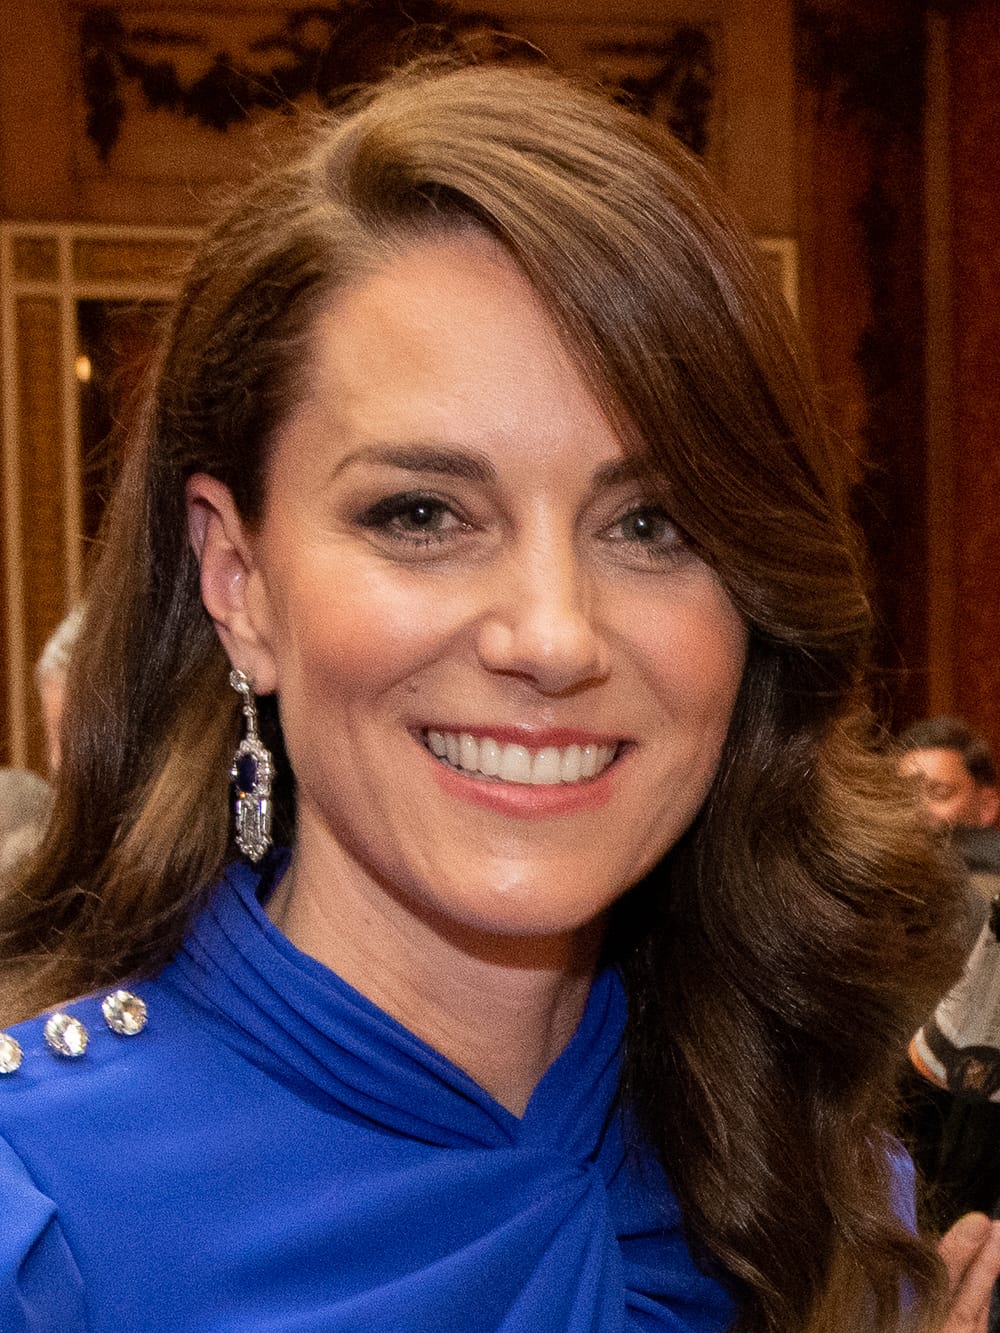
[(251, 772)]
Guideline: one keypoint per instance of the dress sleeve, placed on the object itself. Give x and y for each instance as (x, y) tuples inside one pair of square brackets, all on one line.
[(41, 1290), (904, 1185)]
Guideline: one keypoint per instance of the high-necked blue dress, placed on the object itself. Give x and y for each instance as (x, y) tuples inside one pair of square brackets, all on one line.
[(274, 1152)]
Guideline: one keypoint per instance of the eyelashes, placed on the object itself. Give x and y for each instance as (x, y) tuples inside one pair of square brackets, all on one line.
[(417, 520), (413, 517), (649, 528)]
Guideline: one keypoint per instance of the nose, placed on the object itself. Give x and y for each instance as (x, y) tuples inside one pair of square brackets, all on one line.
[(541, 625)]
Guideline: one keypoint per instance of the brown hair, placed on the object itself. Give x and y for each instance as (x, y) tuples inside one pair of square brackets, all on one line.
[(781, 954)]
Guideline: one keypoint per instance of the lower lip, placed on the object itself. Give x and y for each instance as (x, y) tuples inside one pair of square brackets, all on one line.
[(523, 799)]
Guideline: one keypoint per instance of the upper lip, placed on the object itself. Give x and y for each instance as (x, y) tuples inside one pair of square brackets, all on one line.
[(531, 737)]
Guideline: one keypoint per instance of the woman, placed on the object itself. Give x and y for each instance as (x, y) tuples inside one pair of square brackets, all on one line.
[(488, 456)]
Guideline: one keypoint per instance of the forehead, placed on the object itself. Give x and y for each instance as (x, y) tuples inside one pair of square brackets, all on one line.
[(447, 343), (936, 764), (442, 302)]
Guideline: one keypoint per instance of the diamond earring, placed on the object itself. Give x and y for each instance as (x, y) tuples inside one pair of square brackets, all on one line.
[(251, 773)]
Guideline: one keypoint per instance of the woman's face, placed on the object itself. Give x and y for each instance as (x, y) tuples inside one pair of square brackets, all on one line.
[(504, 682)]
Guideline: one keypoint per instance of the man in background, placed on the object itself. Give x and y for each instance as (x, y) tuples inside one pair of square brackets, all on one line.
[(953, 1095), (957, 783)]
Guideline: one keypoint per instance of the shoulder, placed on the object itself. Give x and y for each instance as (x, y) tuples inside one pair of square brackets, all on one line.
[(69, 1073), (121, 1072), (979, 847), (83, 1035)]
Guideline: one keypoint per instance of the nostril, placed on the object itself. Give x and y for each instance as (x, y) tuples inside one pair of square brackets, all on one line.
[(558, 650)]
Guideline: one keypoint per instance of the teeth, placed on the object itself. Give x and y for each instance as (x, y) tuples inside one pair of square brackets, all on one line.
[(570, 767), (545, 766), (515, 764), (488, 758)]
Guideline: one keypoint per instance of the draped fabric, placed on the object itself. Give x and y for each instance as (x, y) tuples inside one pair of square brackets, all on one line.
[(274, 1152)]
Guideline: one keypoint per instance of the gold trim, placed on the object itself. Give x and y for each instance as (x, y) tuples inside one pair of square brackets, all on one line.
[(99, 259), (781, 255), (47, 270), (36, 258)]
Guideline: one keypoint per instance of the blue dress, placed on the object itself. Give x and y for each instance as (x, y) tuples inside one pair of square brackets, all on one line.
[(273, 1152)]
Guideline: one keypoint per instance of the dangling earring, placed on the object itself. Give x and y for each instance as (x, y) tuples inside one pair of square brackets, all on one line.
[(251, 773)]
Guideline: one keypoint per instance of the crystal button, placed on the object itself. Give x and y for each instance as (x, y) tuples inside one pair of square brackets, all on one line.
[(11, 1054), (66, 1035), (124, 1012)]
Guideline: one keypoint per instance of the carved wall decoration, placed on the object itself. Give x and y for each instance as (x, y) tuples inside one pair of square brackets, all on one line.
[(679, 90), (320, 52), (317, 50)]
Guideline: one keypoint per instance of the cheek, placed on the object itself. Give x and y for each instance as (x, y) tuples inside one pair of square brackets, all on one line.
[(694, 655), (343, 633)]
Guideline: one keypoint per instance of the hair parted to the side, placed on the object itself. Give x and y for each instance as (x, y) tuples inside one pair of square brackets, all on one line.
[(780, 956)]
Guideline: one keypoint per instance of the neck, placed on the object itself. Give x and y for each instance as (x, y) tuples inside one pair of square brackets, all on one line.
[(501, 1007)]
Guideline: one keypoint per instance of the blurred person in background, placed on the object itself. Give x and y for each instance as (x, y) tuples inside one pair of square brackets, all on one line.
[(25, 797), (50, 681), (953, 1088), (25, 802), (956, 777)]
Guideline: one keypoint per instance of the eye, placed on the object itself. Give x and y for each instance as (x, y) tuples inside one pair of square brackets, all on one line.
[(648, 526), (648, 531), (413, 517)]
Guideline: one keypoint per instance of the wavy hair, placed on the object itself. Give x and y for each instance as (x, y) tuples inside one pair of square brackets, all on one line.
[(781, 954)]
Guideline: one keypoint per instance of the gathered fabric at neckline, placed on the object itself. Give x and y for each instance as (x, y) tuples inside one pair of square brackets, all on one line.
[(559, 1219), (291, 1014)]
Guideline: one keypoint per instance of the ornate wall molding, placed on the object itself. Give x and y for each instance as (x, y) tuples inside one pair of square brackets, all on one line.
[(680, 88), (320, 52)]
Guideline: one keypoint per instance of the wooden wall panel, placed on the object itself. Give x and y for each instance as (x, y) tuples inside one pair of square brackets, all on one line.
[(860, 104), (975, 143), (43, 519)]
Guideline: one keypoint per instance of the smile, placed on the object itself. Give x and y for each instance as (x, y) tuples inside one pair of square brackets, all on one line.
[(490, 759)]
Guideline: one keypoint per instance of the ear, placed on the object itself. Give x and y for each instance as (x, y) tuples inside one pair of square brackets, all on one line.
[(231, 585)]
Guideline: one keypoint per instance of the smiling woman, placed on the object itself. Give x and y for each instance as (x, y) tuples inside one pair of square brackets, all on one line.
[(507, 580), (481, 456)]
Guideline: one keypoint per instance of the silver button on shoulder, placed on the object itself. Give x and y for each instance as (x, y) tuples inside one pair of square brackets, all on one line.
[(124, 1013), (11, 1054), (66, 1035)]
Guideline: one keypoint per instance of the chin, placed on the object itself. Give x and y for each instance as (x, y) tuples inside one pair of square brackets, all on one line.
[(525, 907)]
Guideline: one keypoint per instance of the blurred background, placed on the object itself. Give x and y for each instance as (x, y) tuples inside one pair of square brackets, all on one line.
[(860, 141)]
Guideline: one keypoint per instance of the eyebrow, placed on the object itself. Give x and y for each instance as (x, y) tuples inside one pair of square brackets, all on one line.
[(470, 466), (616, 472), (424, 458)]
